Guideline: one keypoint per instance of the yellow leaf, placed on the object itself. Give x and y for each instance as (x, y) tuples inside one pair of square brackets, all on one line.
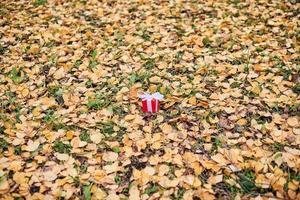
[(133, 92), (189, 157), (293, 121), (4, 186), (134, 193), (197, 168), (99, 175), (16, 165), (48, 101), (215, 179), (100, 12), (34, 49), (203, 104), (168, 105), (262, 181), (166, 128), (242, 122), (110, 156), (219, 158), (129, 117), (25, 92), (152, 88), (193, 101), (293, 185), (96, 138), (70, 135), (59, 74), (162, 90), (20, 178), (36, 111), (61, 156), (32, 146), (258, 68), (255, 88)]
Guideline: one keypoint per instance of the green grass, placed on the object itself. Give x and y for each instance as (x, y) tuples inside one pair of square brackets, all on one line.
[(17, 111), (84, 136), (118, 110), (60, 147), (119, 38), (249, 94), (76, 180), (116, 149), (235, 85), (55, 91), (139, 77), (179, 31), (153, 188), (78, 63), (179, 195), (94, 54), (39, 2), (3, 144), (57, 126), (98, 102), (216, 143), (2, 129), (89, 83), (206, 42), (178, 56), (18, 150), (277, 147), (2, 49), (87, 191), (15, 75), (296, 88), (93, 63), (247, 181), (145, 35), (118, 179), (232, 189), (108, 128), (11, 99), (50, 117), (149, 64)]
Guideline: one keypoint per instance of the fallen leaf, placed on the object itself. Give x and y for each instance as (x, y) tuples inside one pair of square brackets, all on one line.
[(59, 74), (61, 156), (215, 179), (110, 156), (293, 121), (32, 145), (219, 158), (193, 101)]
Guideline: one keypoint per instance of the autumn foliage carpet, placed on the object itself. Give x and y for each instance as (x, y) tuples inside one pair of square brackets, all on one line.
[(71, 125)]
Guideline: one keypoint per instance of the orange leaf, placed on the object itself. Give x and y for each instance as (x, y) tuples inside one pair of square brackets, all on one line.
[(203, 104), (133, 93), (193, 101)]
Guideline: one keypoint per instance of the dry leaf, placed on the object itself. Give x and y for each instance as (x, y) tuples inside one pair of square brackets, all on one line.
[(60, 73), (32, 145), (293, 121), (215, 179), (110, 156), (70, 112), (62, 156), (219, 158)]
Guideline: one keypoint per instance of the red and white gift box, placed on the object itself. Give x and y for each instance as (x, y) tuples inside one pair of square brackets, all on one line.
[(150, 102)]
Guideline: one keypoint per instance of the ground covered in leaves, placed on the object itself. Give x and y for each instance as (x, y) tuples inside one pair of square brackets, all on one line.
[(71, 125)]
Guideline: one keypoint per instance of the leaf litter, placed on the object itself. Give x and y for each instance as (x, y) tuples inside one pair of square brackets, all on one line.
[(71, 126)]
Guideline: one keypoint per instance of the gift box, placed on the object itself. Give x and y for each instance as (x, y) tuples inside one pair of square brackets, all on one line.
[(150, 102)]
